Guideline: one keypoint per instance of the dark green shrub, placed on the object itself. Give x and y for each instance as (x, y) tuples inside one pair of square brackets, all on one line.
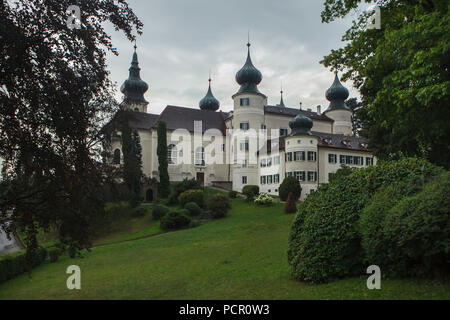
[(325, 239), (139, 212), (12, 265), (159, 211), (290, 184), (196, 196), (172, 200), (218, 205), (290, 206), (232, 194), (193, 209), (175, 220), (185, 185), (54, 254), (250, 191)]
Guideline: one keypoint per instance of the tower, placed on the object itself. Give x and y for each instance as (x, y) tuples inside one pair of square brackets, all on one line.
[(134, 88), (338, 110), (209, 102)]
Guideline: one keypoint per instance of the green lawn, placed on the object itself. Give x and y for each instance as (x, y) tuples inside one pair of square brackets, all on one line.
[(240, 257)]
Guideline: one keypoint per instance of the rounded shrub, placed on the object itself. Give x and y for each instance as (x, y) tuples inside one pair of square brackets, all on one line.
[(193, 209), (196, 196), (218, 205), (180, 187), (263, 199), (250, 191), (290, 184), (175, 220), (159, 211)]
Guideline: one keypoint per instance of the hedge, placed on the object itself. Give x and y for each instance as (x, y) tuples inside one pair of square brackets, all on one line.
[(12, 265)]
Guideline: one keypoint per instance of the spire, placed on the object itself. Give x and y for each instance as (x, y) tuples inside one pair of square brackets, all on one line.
[(337, 94), (134, 87), (209, 102), (281, 93), (248, 76)]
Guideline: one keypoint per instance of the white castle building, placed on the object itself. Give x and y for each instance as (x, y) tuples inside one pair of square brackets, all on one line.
[(256, 143)]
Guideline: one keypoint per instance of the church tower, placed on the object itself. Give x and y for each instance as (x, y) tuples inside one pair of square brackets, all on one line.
[(338, 110), (134, 88)]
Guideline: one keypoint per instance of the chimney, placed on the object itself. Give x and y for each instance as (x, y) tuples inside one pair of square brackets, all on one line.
[(318, 109)]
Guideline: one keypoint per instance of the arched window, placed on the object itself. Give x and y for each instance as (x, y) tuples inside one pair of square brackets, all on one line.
[(116, 158), (172, 154), (200, 156)]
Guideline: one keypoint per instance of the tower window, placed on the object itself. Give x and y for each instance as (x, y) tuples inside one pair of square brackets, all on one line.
[(244, 125), (172, 154), (245, 101), (312, 156)]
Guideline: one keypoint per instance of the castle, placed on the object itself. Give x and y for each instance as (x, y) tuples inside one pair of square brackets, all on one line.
[(256, 143)]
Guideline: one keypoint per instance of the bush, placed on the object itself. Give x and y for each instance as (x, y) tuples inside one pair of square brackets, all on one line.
[(159, 211), (250, 192), (12, 265), (290, 184), (325, 239), (139, 212), (185, 185), (218, 205), (232, 194), (54, 254), (290, 206), (264, 199), (191, 196), (175, 220), (193, 209)]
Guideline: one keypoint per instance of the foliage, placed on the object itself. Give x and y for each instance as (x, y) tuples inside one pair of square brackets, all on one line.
[(218, 205), (401, 71), (355, 107), (264, 199), (55, 98), (159, 211), (193, 208), (342, 171), (53, 254), (12, 265), (290, 184), (132, 161), (290, 206), (180, 187), (138, 212), (193, 195), (325, 239), (164, 182), (175, 220), (232, 194), (250, 191)]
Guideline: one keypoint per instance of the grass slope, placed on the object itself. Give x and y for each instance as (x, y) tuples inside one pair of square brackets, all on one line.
[(240, 257)]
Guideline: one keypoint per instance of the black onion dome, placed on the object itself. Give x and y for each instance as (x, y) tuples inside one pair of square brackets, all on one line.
[(248, 76), (301, 125), (209, 102), (134, 87), (337, 94)]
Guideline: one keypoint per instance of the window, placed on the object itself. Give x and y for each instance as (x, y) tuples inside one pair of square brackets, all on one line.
[(136, 109), (200, 156), (341, 159), (276, 178), (312, 155), (263, 163), (349, 159), (263, 126), (223, 147), (369, 161), (244, 125), (263, 179), (357, 160), (299, 175), (116, 158), (312, 176), (269, 162), (283, 132), (243, 146), (299, 156), (244, 179), (289, 156), (245, 163), (269, 179), (332, 158), (288, 174), (245, 101), (172, 154), (276, 160)]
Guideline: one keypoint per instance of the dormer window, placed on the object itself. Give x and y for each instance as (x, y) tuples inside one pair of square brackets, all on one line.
[(327, 140), (346, 143), (364, 145)]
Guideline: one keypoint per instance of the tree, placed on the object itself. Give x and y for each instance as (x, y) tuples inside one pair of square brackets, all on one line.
[(290, 184), (402, 73), (355, 106), (55, 95), (132, 161), (164, 183)]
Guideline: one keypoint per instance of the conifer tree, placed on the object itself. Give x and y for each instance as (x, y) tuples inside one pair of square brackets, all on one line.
[(164, 183)]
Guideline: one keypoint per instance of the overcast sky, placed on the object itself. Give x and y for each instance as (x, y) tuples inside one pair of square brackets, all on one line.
[(183, 39)]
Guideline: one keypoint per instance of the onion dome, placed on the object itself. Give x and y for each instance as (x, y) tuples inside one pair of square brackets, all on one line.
[(134, 87), (248, 76), (337, 94), (301, 125), (209, 102)]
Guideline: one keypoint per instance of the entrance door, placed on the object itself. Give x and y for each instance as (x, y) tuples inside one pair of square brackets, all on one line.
[(201, 177), (149, 195)]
